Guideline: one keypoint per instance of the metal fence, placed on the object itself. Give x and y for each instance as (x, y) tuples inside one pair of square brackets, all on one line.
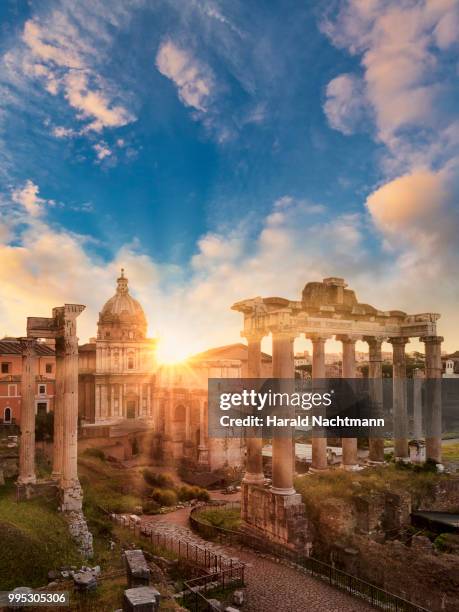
[(373, 594), (221, 571)]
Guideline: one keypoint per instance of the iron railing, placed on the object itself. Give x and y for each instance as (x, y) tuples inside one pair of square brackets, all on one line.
[(376, 596)]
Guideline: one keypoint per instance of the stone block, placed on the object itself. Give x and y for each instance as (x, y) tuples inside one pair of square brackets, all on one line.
[(138, 572), (84, 581), (141, 599), (238, 597)]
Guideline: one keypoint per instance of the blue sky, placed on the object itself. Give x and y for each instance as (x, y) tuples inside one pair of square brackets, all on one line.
[(222, 149)]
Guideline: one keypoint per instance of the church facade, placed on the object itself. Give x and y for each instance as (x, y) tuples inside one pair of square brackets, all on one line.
[(117, 370)]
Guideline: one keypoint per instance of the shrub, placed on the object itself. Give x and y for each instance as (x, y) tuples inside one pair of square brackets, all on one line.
[(154, 479), (97, 453), (164, 497), (186, 493), (150, 506)]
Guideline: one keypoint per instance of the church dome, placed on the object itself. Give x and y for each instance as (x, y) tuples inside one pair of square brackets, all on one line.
[(122, 316)]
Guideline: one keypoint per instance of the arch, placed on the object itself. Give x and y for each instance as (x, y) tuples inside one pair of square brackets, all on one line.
[(180, 414), (7, 415)]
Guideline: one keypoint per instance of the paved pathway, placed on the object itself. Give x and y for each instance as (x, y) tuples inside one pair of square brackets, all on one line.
[(270, 586)]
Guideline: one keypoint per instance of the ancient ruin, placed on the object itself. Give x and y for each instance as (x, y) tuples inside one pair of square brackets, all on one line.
[(61, 327), (329, 309)]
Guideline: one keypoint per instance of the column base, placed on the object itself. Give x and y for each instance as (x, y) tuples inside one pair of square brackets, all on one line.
[(316, 470), (255, 479), (283, 491), (27, 480), (352, 468)]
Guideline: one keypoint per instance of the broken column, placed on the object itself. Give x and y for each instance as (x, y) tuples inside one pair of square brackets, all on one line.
[(28, 382)]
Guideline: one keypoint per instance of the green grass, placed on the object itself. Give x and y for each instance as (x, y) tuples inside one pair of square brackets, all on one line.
[(339, 484), (226, 518), (450, 452), (34, 539)]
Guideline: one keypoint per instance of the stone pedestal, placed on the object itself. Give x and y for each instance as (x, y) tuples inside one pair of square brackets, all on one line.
[(277, 518)]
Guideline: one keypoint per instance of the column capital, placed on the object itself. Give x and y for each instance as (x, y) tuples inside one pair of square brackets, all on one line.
[(317, 337), (398, 341), (347, 338), (374, 340), (28, 346), (255, 335), (432, 339)]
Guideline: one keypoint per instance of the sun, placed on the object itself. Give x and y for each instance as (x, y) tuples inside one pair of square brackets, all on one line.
[(172, 351)]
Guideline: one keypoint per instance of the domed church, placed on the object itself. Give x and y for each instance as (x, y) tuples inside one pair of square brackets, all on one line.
[(117, 369)]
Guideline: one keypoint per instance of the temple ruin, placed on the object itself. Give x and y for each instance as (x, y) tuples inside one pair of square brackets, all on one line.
[(329, 309)]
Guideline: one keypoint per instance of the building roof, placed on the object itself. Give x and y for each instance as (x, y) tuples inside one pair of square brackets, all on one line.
[(87, 348), (11, 346), (238, 350)]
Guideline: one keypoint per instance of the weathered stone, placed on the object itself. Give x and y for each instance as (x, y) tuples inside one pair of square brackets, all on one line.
[(138, 572), (238, 597), (141, 599), (84, 581)]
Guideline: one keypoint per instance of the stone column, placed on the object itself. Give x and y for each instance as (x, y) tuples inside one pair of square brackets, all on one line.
[(59, 410), (283, 367), (400, 413), (203, 452), (418, 383), (28, 384), (71, 488), (254, 469), (433, 397), (319, 444), (376, 454), (349, 445)]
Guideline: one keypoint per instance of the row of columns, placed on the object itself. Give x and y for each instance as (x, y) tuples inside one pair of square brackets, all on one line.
[(283, 368)]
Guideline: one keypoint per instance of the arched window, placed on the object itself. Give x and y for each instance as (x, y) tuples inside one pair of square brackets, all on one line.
[(7, 415)]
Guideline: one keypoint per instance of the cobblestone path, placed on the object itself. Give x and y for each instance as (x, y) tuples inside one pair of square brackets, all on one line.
[(270, 586)]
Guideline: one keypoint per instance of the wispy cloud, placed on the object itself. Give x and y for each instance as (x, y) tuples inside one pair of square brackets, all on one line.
[(194, 80)]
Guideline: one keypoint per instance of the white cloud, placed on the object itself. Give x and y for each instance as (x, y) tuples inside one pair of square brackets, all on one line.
[(193, 79), (27, 196), (102, 150), (345, 103), (60, 131)]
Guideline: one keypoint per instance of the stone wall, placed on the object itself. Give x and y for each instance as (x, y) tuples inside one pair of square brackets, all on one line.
[(279, 518)]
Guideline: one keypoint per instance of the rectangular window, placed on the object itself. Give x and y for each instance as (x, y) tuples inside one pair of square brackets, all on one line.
[(6, 367), (12, 390), (48, 368), (41, 389)]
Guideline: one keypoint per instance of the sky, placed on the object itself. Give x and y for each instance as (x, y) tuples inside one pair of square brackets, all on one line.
[(219, 150)]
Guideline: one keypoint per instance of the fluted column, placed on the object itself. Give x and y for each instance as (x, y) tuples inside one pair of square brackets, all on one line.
[(349, 445), (319, 444), (376, 454), (28, 382), (433, 397), (70, 483), (254, 470), (283, 368), (59, 410), (400, 413)]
